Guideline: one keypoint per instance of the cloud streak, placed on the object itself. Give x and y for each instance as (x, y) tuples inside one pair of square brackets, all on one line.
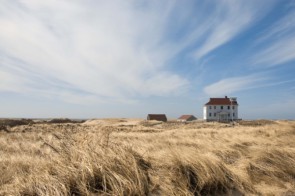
[(234, 84), (106, 50), (226, 23), (90, 49), (279, 43)]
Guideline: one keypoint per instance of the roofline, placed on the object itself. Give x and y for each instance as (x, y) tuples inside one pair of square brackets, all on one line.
[(221, 104)]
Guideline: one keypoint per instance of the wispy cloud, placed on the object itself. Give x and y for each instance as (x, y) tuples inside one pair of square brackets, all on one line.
[(102, 49), (278, 53), (278, 43), (234, 84), (110, 50), (230, 19)]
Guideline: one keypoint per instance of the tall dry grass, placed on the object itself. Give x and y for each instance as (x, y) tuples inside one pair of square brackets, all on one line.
[(129, 157)]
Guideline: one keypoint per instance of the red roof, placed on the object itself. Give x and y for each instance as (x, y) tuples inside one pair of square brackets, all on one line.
[(221, 101), (187, 117)]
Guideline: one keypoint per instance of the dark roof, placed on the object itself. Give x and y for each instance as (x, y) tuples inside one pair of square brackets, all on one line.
[(187, 117), (159, 117), (221, 101)]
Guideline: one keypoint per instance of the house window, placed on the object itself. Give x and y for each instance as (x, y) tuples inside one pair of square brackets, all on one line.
[(214, 107), (210, 114), (228, 115), (233, 114), (233, 107), (228, 107), (210, 107), (214, 114), (221, 107)]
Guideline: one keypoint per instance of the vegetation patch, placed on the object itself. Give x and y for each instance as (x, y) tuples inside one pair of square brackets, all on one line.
[(105, 159)]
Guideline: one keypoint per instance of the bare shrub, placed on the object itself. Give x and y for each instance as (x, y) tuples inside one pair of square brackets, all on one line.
[(15, 122), (64, 120)]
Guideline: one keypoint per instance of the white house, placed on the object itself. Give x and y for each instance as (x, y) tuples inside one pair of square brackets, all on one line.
[(221, 109)]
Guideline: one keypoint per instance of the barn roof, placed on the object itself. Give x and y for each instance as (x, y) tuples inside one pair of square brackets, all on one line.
[(159, 117), (185, 117), (221, 101)]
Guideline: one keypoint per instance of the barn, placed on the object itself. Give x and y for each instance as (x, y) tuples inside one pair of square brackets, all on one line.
[(158, 117)]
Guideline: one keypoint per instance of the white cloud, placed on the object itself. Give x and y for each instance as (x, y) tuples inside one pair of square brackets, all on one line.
[(100, 48), (278, 53), (109, 50), (279, 43), (230, 19), (234, 84)]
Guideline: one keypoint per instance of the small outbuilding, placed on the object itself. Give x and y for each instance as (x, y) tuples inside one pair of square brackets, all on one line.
[(185, 118), (158, 117)]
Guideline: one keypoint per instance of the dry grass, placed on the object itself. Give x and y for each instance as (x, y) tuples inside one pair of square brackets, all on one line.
[(133, 157)]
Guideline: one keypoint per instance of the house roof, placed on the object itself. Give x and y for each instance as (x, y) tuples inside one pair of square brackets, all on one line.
[(221, 101), (185, 117), (159, 117)]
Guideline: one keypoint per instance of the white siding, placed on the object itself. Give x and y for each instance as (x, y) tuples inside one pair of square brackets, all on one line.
[(205, 113), (215, 109)]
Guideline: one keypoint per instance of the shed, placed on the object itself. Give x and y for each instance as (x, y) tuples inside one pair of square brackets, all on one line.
[(158, 117), (187, 118)]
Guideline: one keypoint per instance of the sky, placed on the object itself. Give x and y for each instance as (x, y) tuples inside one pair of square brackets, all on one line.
[(102, 59)]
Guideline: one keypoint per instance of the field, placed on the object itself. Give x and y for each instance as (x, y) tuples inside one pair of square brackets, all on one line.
[(137, 157)]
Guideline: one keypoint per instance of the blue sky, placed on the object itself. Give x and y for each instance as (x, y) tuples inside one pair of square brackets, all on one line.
[(95, 58)]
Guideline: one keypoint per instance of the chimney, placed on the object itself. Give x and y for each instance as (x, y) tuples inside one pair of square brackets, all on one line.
[(226, 97)]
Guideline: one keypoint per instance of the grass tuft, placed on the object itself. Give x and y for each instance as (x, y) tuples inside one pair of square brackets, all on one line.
[(123, 157)]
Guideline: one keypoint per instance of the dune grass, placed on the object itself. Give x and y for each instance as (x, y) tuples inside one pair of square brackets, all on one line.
[(122, 157)]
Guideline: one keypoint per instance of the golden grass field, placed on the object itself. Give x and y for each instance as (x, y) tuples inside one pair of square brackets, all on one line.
[(136, 157)]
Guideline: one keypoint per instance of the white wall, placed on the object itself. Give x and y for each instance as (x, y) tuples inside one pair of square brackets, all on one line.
[(216, 109), (204, 112)]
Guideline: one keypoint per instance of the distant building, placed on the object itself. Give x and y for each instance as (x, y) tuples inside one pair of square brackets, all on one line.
[(221, 109), (185, 118), (158, 117)]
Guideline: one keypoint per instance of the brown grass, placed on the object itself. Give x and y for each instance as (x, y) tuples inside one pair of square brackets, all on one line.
[(133, 157)]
